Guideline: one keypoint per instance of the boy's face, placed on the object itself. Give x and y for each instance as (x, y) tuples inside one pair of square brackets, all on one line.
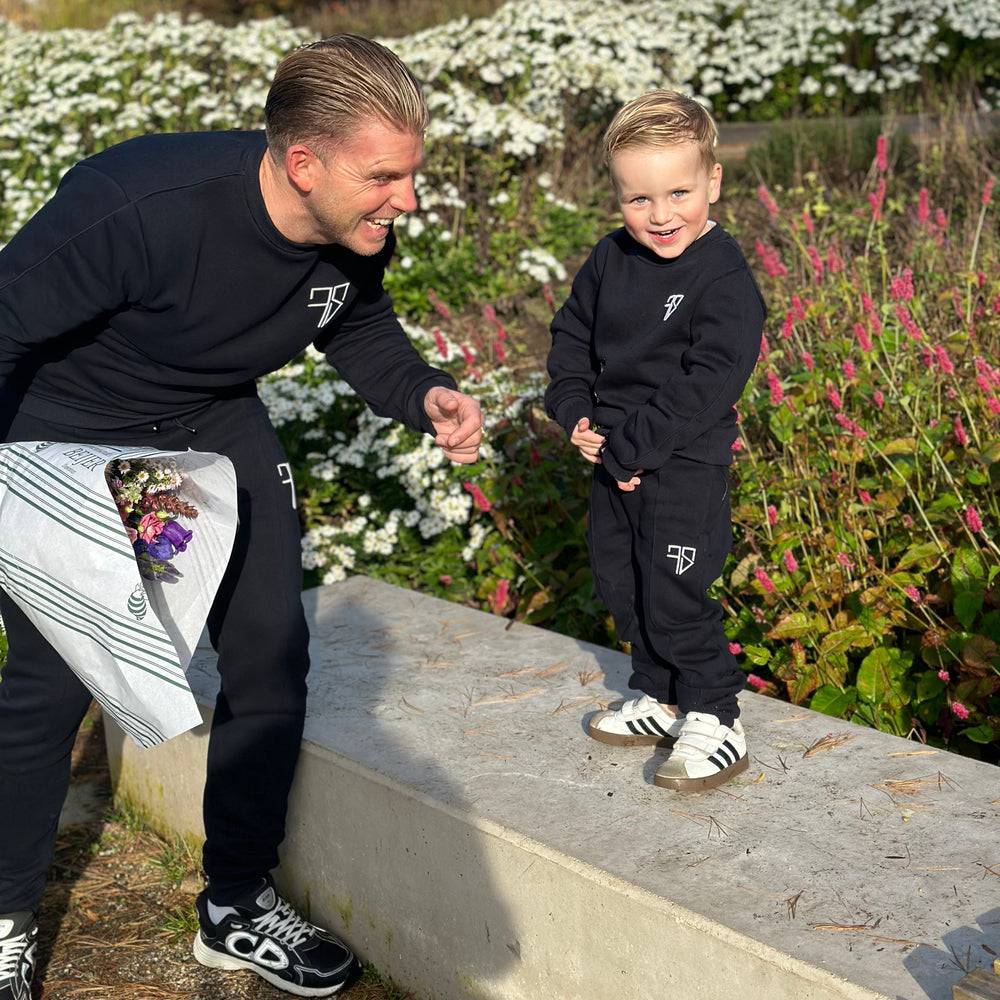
[(665, 193)]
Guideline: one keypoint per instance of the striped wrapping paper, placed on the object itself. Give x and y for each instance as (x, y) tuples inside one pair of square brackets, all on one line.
[(67, 561)]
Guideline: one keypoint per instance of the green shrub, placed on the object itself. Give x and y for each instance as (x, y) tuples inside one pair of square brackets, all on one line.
[(865, 576)]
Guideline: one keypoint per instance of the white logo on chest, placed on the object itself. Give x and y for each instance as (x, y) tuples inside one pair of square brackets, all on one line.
[(671, 304), (331, 298)]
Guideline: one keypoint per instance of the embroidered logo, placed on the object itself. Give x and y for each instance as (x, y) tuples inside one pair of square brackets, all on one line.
[(336, 296), (671, 304), (683, 556)]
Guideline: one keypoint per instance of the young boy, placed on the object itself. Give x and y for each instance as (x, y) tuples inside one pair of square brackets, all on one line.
[(650, 354)]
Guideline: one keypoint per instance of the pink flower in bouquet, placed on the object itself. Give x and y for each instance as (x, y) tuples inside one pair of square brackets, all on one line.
[(764, 580), (150, 526), (758, 682), (959, 710), (735, 648), (791, 564)]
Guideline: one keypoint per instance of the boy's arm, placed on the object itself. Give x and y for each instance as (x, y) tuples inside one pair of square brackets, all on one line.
[(701, 395), (571, 366)]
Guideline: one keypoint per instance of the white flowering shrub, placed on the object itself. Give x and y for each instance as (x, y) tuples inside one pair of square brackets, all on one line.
[(514, 97)]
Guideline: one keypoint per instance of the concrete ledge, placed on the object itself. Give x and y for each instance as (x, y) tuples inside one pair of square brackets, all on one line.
[(453, 821)]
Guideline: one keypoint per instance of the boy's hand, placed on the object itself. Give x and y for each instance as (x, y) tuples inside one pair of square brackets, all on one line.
[(589, 442), (632, 483)]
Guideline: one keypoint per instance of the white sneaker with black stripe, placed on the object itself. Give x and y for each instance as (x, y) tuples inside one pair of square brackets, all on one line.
[(705, 755), (637, 722)]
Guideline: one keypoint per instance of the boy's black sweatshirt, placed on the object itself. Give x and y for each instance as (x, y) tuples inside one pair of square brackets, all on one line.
[(658, 351), (154, 282)]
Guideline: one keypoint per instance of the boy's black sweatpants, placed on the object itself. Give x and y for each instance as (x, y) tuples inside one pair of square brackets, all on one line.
[(654, 554), (256, 624)]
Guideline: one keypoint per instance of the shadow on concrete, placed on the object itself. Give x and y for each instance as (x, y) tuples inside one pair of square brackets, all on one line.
[(936, 969), (378, 828)]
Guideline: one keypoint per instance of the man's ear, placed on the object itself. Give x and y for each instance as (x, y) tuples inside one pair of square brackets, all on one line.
[(302, 166)]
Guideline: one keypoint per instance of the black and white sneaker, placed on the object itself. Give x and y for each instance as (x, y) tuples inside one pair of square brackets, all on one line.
[(637, 722), (707, 754), (18, 943), (263, 934)]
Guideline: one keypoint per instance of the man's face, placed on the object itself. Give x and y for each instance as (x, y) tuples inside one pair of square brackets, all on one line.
[(363, 185), (665, 193)]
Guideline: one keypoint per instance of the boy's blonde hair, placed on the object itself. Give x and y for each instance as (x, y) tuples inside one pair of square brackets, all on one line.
[(662, 118)]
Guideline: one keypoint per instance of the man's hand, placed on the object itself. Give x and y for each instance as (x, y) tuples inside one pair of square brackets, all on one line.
[(589, 442), (458, 423)]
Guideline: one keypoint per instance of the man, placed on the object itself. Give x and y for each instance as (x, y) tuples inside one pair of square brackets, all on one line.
[(138, 307)]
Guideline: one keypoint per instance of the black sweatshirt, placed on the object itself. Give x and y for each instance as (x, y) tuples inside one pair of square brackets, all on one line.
[(657, 351), (154, 281)]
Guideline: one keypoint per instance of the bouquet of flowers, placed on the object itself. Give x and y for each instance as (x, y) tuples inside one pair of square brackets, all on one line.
[(146, 495)]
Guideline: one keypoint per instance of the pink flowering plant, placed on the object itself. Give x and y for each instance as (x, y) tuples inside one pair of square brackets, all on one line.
[(147, 495), (864, 581)]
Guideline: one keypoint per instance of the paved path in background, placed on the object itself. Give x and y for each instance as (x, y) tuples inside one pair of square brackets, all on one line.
[(735, 138)]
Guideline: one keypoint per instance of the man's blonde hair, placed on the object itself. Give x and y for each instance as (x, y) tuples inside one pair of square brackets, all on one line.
[(323, 92), (662, 118)]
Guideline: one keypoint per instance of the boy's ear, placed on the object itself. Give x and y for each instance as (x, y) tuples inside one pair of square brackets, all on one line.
[(714, 183)]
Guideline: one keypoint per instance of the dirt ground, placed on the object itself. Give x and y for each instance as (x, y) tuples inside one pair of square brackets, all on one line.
[(117, 919)]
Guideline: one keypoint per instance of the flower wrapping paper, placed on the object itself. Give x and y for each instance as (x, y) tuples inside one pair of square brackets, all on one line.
[(67, 561)]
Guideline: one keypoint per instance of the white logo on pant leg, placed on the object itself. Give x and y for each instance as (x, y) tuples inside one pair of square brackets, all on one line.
[(683, 556), (671, 304), (336, 296), (285, 469)]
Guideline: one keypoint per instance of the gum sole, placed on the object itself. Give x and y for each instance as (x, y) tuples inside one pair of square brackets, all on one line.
[(626, 739), (701, 784)]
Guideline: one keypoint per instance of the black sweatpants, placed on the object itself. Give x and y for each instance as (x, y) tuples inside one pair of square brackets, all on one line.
[(654, 554), (256, 624)]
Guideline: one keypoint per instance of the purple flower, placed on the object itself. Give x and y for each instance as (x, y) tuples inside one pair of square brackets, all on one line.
[(160, 548), (176, 535)]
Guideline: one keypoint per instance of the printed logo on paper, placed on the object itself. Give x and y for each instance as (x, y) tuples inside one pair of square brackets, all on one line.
[(137, 605), (682, 556), (329, 298), (671, 304)]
